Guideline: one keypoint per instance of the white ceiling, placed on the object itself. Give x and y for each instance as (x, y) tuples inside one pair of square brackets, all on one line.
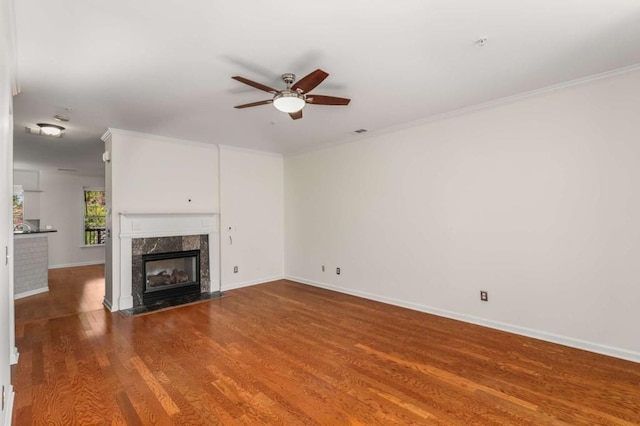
[(165, 67)]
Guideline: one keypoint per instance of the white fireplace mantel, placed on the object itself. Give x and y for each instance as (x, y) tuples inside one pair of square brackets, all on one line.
[(144, 224)]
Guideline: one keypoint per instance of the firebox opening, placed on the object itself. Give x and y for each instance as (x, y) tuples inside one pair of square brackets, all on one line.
[(168, 275)]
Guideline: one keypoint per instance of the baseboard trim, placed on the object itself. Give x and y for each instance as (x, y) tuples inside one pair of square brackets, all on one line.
[(14, 355), (31, 293), (107, 304), (73, 265), (125, 302), (214, 286), (8, 414), (536, 334), (250, 283)]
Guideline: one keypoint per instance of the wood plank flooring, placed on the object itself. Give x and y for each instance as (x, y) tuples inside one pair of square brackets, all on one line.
[(286, 353), (71, 291)]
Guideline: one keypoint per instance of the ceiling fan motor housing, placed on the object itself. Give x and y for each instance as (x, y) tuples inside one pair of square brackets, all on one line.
[(288, 78)]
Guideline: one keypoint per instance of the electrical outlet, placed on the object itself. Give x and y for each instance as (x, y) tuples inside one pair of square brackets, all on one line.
[(338, 271), (484, 296), (322, 268), (235, 269)]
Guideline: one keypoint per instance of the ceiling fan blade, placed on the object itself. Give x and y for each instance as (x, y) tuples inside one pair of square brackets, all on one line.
[(327, 100), (254, 84), (252, 104), (296, 115), (310, 81)]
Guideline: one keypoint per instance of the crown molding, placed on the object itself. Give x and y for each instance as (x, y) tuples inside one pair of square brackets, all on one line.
[(111, 132), (106, 136), (249, 151)]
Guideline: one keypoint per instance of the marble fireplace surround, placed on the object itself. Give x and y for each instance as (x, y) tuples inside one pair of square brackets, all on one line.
[(161, 245), (140, 225)]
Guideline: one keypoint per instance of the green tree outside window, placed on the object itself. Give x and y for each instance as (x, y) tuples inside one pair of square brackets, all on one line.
[(18, 209), (94, 217)]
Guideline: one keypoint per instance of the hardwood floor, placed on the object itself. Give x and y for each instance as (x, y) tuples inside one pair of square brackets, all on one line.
[(286, 353), (71, 291)]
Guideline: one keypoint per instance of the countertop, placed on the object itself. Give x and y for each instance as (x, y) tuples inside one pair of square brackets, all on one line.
[(39, 231)]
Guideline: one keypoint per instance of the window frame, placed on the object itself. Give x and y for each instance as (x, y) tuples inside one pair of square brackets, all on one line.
[(84, 216)]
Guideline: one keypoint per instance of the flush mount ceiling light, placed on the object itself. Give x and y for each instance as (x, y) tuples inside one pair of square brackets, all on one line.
[(51, 129)]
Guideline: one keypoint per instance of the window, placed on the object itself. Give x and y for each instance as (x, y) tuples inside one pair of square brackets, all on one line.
[(94, 217), (18, 209)]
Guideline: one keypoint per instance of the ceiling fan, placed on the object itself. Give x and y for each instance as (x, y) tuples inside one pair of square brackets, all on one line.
[(292, 99)]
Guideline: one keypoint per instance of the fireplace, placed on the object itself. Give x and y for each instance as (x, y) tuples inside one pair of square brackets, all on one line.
[(145, 233), (166, 268), (170, 275)]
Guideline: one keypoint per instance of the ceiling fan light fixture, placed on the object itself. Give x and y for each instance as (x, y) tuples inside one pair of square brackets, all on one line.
[(297, 94), (289, 102), (50, 129)]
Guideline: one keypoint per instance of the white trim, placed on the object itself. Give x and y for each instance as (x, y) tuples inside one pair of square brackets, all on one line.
[(125, 301), (12, 54), (158, 234), (536, 334), (163, 213), (14, 355), (73, 265), (108, 305), (219, 221), (468, 110), (253, 282), (30, 293), (156, 138), (8, 408), (92, 245)]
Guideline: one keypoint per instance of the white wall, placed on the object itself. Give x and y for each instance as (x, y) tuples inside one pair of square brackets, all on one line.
[(155, 174), (159, 174), (252, 216), (61, 206), (534, 201), (29, 180)]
